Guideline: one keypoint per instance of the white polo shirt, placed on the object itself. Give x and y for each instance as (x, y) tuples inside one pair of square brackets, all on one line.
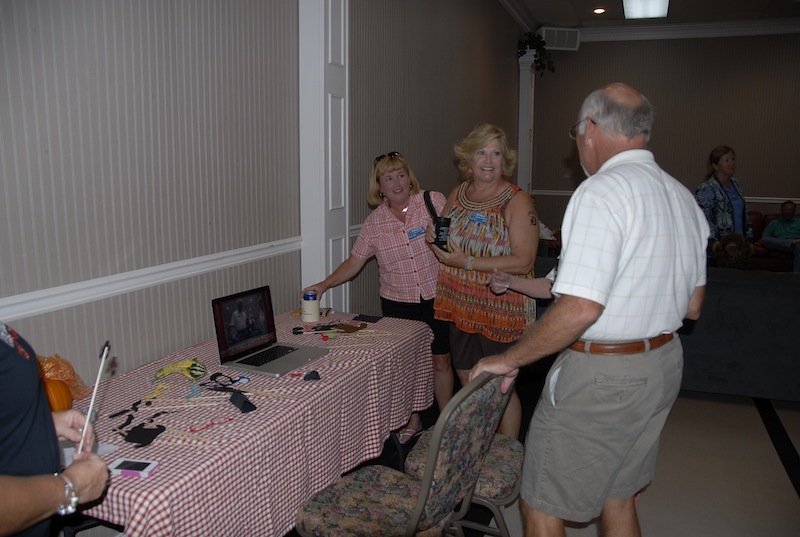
[(634, 240)]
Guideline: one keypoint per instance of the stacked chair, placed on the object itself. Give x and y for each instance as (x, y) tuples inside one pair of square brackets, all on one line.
[(379, 501), (498, 483)]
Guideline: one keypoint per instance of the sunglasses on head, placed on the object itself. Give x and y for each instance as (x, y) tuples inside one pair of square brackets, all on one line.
[(390, 154)]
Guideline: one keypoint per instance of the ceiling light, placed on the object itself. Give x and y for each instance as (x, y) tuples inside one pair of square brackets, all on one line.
[(645, 9), (599, 10)]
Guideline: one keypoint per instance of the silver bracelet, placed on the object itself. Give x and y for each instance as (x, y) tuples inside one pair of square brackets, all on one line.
[(70, 503)]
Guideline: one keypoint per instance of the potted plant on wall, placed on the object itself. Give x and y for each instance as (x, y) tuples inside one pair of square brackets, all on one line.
[(542, 61)]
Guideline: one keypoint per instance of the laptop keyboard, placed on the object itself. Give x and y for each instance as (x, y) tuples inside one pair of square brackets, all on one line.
[(267, 355)]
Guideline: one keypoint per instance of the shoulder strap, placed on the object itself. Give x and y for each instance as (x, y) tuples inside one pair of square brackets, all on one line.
[(429, 204)]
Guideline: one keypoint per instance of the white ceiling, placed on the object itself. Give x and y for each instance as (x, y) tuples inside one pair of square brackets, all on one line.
[(578, 13)]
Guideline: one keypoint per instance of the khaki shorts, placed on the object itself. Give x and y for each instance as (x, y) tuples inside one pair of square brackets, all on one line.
[(595, 432)]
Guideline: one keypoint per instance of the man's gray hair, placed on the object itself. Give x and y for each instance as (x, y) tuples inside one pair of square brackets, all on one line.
[(616, 116)]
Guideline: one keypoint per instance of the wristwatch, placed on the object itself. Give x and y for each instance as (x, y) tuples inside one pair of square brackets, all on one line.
[(70, 503)]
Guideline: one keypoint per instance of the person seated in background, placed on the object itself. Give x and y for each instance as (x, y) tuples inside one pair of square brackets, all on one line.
[(32, 489), (784, 233), (732, 251)]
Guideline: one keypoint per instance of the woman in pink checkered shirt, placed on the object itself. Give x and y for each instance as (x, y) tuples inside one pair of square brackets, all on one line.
[(394, 233)]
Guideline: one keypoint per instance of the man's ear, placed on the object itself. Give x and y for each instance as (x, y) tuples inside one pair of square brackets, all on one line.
[(588, 134)]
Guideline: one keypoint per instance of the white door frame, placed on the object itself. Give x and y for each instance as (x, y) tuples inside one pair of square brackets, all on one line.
[(525, 132), (324, 142)]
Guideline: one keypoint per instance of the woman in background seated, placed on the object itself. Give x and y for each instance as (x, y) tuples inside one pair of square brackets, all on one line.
[(395, 234), (493, 227), (721, 199)]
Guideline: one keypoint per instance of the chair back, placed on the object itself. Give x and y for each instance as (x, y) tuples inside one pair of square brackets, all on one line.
[(758, 221), (459, 443)]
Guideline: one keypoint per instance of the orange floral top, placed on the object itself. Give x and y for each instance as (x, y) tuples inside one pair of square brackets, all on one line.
[(463, 296)]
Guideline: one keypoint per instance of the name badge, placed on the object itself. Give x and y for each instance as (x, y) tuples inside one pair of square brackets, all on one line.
[(416, 232), (479, 218)]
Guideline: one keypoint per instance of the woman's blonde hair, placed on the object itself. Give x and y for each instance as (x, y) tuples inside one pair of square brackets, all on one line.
[(386, 164), (477, 140)]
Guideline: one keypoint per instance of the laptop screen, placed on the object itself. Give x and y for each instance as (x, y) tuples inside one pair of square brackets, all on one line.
[(244, 323)]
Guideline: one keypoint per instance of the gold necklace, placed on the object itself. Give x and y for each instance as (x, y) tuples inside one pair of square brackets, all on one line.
[(401, 211)]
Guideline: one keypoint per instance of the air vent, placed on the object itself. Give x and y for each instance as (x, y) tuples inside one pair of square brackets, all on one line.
[(560, 38)]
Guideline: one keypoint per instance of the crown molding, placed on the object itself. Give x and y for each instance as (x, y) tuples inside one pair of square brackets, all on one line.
[(520, 14), (691, 31)]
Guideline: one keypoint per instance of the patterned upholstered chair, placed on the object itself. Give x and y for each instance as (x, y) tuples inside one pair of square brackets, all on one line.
[(379, 501), (498, 483)]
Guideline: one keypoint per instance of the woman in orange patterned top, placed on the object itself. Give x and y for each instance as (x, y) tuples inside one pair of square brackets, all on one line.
[(493, 227)]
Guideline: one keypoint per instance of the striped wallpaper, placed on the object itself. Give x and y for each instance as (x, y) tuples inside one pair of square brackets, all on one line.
[(150, 323), (422, 75), (138, 136), (737, 91), (141, 135)]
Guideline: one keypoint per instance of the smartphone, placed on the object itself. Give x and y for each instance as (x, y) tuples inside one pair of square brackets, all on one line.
[(132, 468), (442, 225)]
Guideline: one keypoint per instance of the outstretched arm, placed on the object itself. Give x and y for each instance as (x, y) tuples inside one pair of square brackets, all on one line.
[(563, 323), (501, 282), (345, 272)]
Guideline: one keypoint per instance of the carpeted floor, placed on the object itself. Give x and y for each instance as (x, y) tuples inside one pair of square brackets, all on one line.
[(728, 467)]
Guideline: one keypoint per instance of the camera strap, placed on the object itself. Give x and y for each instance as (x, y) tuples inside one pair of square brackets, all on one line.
[(429, 204)]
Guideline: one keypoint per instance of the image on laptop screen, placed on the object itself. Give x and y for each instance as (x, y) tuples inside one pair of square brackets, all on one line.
[(244, 321)]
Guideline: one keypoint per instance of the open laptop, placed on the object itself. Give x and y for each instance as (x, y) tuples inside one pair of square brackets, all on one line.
[(245, 327)]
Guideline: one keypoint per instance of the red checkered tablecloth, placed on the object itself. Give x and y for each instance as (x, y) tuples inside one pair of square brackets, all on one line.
[(223, 472)]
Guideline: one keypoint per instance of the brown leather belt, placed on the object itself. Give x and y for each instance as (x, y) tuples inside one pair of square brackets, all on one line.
[(630, 347)]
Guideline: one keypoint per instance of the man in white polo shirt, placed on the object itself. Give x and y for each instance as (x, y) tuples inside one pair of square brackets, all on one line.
[(632, 267)]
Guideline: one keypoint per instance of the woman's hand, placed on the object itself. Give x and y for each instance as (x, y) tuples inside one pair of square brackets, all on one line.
[(70, 424), (500, 282), (454, 258), (318, 288), (89, 474)]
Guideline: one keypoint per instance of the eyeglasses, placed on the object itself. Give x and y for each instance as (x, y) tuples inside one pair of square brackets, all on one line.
[(573, 132), (390, 154)]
